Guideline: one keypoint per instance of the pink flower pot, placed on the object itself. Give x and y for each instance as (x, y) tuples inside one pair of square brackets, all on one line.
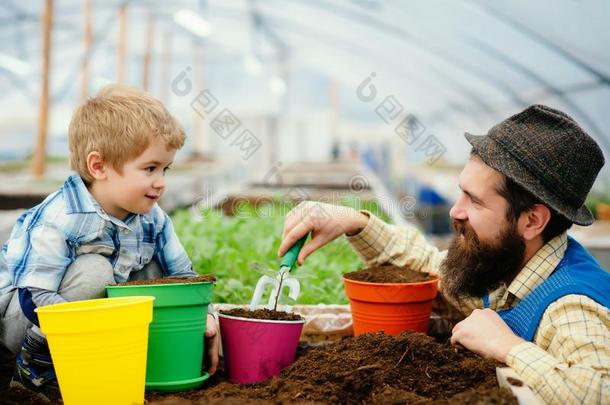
[(257, 349)]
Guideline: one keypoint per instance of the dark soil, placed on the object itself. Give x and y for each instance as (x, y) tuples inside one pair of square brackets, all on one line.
[(263, 314), (514, 381), (19, 396), (172, 280), (368, 369), (388, 274), (7, 364)]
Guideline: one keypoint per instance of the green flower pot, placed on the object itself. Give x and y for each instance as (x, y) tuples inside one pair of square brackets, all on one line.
[(176, 334)]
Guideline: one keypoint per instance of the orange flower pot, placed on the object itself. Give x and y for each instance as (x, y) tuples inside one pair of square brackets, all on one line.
[(390, 308)]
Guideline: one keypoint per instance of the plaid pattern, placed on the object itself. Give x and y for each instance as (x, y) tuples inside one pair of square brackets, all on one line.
[(47, 238), (570, 360)]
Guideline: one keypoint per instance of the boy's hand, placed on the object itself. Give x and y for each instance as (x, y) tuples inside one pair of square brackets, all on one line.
[(212, 343)]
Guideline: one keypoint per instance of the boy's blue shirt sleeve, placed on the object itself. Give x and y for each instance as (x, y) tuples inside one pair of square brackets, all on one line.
[(170, 253), (39, 257), (37, 253)]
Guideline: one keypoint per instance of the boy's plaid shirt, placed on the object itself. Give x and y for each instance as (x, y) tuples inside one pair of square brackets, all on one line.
[(569, 360), (47, 238)]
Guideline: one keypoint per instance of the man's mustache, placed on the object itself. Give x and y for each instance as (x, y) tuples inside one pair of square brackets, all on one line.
[(458, 226), (463, 228)]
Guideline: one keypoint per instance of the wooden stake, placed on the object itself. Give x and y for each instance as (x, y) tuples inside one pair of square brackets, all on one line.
[(122, 43), (334, 106), (199, 78), (88, 39), (150, 37), (43, 116), (166, 58)]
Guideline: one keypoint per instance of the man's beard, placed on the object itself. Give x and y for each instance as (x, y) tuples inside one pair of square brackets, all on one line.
[(474, 268)]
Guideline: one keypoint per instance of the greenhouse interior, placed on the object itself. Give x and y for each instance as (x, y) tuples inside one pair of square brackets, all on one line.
[(304, 201)]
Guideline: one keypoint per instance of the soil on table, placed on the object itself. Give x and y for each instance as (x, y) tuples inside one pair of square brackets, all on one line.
[(172, 280), (388, 274), (20, 396), (368, 369), (263, 314)]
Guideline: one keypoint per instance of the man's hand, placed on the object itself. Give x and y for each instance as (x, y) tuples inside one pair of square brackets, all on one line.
[(326, 223), (212, 344), (486, 334)]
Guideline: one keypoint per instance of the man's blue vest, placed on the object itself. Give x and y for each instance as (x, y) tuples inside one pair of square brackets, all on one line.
[(577, 273)]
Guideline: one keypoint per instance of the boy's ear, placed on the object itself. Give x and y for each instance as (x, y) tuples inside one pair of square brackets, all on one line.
[(96, 166)]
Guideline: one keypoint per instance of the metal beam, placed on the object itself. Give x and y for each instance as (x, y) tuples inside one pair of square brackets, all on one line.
[(259, 24), (535, 37), (426, 47), (548, 86)]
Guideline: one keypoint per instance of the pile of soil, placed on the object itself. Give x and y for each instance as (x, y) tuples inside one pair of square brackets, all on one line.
[(172, 280), (388, 274), (19, 396), (263, 314), (368, 369)]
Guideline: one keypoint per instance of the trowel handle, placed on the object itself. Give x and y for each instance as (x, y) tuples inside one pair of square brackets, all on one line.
[(290, 257)]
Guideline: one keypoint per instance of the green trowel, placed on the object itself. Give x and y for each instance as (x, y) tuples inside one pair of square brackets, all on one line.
[(281, 280)]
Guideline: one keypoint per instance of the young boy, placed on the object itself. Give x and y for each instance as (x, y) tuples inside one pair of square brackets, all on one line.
[(102, 227)]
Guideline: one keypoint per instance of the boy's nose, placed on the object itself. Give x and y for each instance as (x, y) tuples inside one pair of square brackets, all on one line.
[(159, 182)]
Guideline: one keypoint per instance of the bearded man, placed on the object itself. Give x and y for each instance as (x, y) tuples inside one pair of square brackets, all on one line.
[(533, 297)]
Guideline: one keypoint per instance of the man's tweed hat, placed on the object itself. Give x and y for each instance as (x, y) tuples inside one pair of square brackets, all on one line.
[(547, 153)]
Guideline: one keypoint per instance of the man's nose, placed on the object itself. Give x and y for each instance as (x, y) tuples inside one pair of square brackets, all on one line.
[(457, 211)]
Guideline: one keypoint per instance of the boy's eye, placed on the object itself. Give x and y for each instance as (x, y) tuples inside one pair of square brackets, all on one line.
[(150, 169)]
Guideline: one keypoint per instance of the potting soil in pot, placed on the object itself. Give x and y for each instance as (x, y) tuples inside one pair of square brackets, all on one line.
[(263, 314), (390, 299), (172, 280), (388, 274), (371, 369), (258, 345)]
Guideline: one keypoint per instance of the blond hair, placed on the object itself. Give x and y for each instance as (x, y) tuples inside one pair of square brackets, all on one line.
[(119, 123)]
